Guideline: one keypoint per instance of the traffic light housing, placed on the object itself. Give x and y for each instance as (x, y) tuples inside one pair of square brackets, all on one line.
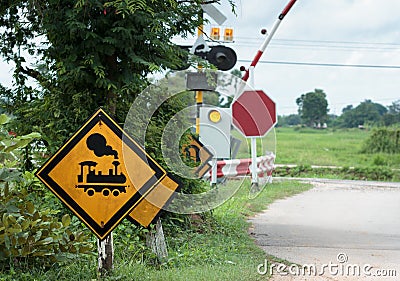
[(228, 34), (224, 58), (215, 33)]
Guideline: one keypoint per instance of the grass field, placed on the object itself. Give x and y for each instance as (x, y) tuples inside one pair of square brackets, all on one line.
[(328, 148), (217, 248), (306, 146)]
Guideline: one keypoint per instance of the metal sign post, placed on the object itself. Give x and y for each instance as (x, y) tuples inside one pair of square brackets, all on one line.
[(253, 142)]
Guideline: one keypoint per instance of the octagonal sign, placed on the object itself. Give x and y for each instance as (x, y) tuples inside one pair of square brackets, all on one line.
[(254, 113)]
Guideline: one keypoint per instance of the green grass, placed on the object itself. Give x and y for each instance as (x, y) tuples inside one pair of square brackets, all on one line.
[(216, 247), (318, 147), (306, 147), (374, 173), (328, 148)]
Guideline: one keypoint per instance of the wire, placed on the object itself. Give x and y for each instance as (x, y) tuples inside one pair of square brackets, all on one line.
[(318, 47), (328, 64), (315, 44), (324, 41), (325, 46)]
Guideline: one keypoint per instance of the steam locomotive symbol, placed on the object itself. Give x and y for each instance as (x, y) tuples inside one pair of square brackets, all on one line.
[(111, 183), (108, 183)]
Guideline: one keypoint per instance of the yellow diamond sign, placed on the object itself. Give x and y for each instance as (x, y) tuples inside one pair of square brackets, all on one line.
[(200, 155), (89, 173), (147, 211)]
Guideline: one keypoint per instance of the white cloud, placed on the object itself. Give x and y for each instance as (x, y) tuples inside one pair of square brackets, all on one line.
[(343, 18), (317, 21)]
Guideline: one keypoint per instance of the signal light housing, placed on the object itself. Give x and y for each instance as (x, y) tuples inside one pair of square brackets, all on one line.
[(224, 58), (215, 33), (228, 34)]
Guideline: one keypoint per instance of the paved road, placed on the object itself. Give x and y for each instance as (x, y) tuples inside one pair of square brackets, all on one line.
[(357, 220)]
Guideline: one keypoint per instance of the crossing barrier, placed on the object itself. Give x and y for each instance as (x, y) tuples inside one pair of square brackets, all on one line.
[(242, 167)]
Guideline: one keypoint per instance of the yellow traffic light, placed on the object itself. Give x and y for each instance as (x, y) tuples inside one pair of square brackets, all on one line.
[(228, 34), (215, 33)]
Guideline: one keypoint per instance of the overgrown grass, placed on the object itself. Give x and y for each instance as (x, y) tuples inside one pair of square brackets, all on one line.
[(343, 148), (383, 140), (374, 173), (215, 247)]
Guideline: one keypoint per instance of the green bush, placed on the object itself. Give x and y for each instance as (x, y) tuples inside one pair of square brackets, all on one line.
[(29, 236), (386, 140), (32, 229), (369, 173)]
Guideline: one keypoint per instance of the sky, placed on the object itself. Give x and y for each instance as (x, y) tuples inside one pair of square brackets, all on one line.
[(339, 32), (321, 32)]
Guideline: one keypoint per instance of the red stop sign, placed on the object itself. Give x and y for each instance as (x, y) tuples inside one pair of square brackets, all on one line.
[(254, 113)]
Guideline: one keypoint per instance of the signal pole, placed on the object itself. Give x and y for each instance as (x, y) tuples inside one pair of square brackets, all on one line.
[(199, 94)]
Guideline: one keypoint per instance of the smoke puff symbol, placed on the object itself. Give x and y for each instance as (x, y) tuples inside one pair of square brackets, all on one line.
[(98, 144)]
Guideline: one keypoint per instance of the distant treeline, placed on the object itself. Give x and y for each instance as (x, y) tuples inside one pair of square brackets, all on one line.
[(366, 113)]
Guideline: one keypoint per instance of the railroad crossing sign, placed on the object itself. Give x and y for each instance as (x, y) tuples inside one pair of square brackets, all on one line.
[(89, 174), (254, 113), (199, 154), (147, 211)]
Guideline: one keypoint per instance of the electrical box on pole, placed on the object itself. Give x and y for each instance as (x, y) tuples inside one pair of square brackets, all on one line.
[(215, 130)]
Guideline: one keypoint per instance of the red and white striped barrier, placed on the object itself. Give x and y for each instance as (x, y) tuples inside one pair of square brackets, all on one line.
[(242, 167), (268, 39)]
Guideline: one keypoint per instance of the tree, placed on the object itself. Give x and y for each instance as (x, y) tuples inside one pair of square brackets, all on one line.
[(347, 108), (393, 115), (236, 72), (394, 108), (366, 112), (4, 92), (89, 53), (289, 120), (313, 107)]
